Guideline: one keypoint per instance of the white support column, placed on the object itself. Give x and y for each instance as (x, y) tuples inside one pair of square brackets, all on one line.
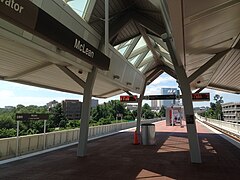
[(139, 111), (85, 116), (106, 27), (187, 102)]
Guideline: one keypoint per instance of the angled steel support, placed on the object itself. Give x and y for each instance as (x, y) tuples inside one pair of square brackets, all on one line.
[(159, 41), (207, 65), (139, 110), (72, 75), (149, 24), (106, 39), (141, 58), (28, 71), (85, 116), (199, 90), (149, 44), (131, 47), (129, 93), (88, 11), (169, 71), (187, 102)]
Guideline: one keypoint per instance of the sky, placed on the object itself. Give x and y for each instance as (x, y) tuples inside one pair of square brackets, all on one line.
[(12, 94)]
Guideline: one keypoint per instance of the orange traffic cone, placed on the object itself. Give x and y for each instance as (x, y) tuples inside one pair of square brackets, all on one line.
[(135, 141)]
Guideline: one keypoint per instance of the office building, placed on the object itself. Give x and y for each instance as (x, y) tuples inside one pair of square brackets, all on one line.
[(231, 112), (169, 91), (72, 109)]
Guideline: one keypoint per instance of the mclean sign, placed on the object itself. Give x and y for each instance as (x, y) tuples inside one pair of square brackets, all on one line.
[(27, 117), (29, 17)]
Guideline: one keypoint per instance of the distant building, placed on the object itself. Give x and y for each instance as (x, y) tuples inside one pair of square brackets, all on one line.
[(51, 104), (94, 103), (72, 109), (169, 91), (155, 104), (231, 112), (9, 107)]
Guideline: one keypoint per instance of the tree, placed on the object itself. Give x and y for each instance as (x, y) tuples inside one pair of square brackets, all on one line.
[(215, 110), (162, 112), (57, 116)]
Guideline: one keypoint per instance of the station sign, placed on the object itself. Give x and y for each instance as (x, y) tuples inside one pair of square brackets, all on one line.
[(28, 117), (128, 99), (201, 97), (160, 97), (28, 16)]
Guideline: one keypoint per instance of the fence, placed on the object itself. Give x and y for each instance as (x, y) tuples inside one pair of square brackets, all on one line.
[(32, 143), (232, 127)]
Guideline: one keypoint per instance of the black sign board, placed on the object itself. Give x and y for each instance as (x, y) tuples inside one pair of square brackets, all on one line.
[(160, 97), (201, 97), (29, 17), (128, 99), (190, 119), (27, 117)]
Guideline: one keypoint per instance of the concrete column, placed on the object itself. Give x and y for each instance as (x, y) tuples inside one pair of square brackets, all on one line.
[(85, 116), (139, 111), (187, 102)]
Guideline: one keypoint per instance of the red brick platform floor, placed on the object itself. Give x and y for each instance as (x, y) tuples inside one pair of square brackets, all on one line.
[(115, 157)]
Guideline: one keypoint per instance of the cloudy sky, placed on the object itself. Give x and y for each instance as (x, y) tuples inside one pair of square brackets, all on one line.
[(12, 94)]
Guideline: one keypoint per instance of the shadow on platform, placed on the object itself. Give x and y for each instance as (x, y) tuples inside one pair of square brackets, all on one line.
[(115, 157)]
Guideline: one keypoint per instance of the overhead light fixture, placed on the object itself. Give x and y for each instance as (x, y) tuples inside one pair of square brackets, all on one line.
[(128, 83), (137, 88), (116, 77)]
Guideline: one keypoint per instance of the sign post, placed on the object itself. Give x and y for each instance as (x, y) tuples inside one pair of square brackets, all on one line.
[(28, 117), (17, 140), (44, 134)]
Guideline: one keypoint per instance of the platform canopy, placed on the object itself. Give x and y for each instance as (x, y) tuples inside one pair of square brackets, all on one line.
[(205, 34)]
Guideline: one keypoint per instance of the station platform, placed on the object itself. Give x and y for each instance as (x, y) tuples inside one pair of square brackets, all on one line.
[(115, 157)]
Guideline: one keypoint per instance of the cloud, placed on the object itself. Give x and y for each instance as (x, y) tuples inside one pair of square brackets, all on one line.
[(163, 79)]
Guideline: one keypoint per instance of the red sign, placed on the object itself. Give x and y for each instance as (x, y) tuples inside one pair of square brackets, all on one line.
[(201, 97), (128, 98)]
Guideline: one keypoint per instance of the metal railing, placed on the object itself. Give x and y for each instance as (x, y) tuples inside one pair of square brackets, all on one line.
[(232, 127)]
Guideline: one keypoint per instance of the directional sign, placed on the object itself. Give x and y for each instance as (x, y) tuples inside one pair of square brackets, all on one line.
[(128, 99), (160, 97), (201, 97), (26, 116)]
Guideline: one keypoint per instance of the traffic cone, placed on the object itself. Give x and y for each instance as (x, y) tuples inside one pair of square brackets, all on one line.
[(135, 141)]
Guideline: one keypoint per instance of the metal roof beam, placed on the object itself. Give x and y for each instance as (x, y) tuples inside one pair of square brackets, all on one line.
[(200, 89), (149, 24), (149, 43), (140, 58), (28, 71), (169, 71), (207, 65), (156, 71), (138, 51), (72, 75), (131, 47), (116, 25), (89, 9), (159, 41)]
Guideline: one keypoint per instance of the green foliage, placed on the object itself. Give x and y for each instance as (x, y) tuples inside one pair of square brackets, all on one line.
[(128, 117), (5, 133), (57, 115), (162, 112), (149, 115), (215, 110), (63, 123)]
